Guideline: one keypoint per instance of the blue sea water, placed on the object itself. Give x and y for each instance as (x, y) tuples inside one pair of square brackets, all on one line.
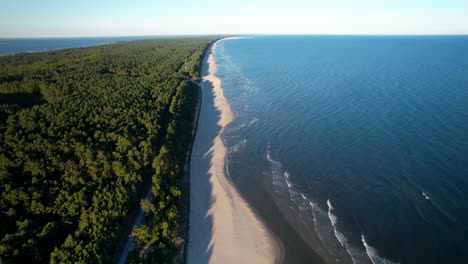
[(361, 142), (13, 46)]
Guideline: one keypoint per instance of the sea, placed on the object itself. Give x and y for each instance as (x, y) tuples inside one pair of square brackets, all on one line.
[(352, 149), (17, 45)]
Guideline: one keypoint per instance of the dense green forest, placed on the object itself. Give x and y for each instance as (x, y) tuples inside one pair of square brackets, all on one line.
[(83, 132)]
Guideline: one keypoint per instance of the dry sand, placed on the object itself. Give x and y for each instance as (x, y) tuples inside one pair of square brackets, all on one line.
[(223, 227)]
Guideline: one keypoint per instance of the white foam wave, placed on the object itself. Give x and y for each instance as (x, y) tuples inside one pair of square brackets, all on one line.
[(310, 212), (333, 219), (253, 121), (238, 146), (326, 233), (249, 124), (324, 225), (288, 182), (373, 254), (281, 180), (330, 214), (324, 222), (268, 153), (426, 196), (245, 83), (357, 255)]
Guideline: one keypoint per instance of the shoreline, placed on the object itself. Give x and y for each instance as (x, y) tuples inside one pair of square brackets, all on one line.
[(236, 234)]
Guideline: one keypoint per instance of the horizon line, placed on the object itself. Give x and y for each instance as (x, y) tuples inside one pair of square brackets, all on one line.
[(250, 34)]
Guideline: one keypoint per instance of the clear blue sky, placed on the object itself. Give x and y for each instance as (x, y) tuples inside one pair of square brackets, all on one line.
[(67, 18)]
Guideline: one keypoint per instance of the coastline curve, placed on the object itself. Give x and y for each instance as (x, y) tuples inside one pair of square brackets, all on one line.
[(237, 232)]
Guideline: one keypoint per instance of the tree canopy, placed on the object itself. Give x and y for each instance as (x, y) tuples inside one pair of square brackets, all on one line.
[(82, 133)]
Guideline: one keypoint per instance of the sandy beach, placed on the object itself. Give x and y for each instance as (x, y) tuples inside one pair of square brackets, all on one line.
[(223, 227)]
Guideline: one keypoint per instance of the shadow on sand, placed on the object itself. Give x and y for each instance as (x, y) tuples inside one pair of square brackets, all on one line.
[(201, 221)]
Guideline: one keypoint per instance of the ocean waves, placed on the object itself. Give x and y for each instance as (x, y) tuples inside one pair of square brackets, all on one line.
[(368, 150), (324, 223)]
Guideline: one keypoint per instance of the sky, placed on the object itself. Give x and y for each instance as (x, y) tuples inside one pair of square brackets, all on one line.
[(91, 18)]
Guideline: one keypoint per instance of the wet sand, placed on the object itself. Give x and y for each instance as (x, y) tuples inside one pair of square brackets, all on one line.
[(223, 227)]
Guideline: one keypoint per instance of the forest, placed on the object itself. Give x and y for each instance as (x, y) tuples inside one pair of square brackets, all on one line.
[(83, 133)]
